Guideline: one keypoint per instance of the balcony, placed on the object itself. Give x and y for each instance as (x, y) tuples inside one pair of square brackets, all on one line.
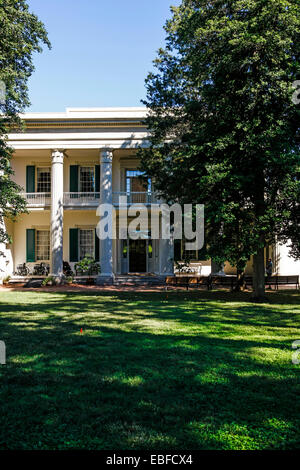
[(146, 198), (87, 200), (81, 199), (37, 199)]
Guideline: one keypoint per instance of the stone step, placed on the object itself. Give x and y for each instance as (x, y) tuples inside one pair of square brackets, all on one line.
[(139, 280)]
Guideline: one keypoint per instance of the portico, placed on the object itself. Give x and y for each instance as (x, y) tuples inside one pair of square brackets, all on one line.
[(68, 164)]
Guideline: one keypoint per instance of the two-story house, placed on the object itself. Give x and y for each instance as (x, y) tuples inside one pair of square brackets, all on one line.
[(67, 163)]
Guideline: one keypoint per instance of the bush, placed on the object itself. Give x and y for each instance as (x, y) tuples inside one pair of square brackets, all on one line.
[(87, 266), (48, 281), (6, 279)]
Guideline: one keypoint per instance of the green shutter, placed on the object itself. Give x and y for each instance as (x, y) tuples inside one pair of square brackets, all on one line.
[(30, 179), (73, 244), (74, 179), (30, 245), (97, 178), (97, 254)]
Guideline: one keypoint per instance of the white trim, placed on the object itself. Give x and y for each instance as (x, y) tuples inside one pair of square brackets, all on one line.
[(128, 138), (83, 145), (84, 136), (85, 113)]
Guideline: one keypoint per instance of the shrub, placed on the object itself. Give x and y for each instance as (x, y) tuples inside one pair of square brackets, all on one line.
[(87, 266), (48, 281)]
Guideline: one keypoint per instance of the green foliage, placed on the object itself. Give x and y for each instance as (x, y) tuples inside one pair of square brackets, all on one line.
[(192, 371), (21, 35), (87, 266), (49, 281), (224, 128)]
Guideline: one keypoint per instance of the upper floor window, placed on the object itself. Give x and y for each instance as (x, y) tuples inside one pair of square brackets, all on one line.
[(38, 179), (87, 179), (43, 176), (135, 183)]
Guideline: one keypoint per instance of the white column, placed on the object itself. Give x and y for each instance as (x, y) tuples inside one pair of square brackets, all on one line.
[(57, 213), (106, 246), (166, 257), (2, 250)]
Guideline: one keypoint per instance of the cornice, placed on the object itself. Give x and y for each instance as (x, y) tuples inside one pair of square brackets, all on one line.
[(80, 124)]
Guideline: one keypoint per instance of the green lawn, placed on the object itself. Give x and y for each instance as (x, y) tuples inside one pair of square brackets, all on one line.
[(185, 371)]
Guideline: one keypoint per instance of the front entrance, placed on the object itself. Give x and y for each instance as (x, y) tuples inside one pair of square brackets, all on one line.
[(137, 256)]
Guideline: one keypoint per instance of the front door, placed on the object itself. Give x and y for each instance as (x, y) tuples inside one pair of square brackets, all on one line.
[(137, 256)]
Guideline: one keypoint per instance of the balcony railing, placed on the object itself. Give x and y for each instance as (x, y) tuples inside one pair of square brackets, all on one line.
[(81, 199), (37, 199), (135, 198), (90, 199)]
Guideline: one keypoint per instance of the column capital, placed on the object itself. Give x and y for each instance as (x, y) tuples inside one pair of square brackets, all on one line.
[(57, 156), (106, 155)]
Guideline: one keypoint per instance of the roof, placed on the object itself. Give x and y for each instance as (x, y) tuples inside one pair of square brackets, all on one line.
[(83, 128)]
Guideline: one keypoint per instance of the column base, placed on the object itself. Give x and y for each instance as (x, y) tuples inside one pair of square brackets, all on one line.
[(59, 279), (105, 279)]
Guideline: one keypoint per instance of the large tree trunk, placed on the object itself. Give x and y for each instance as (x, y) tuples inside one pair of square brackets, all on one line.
[(259, 257), (259, 276), (239, 280)]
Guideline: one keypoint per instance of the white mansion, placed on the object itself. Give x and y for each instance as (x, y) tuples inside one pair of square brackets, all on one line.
[(67, 164)]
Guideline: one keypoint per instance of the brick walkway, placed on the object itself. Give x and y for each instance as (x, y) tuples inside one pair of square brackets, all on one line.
[(125, 288)]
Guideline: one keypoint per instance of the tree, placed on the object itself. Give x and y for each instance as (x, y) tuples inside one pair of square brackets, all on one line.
[(224, 128), (21, 34)]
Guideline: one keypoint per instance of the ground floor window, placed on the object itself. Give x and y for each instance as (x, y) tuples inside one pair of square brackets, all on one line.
[(86, 243), (43, 245)]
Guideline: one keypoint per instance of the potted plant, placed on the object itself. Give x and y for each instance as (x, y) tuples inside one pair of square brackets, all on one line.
[(87, 267), (69, 280)]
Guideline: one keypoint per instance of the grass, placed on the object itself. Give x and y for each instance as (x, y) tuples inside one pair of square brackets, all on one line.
[(151, 371)]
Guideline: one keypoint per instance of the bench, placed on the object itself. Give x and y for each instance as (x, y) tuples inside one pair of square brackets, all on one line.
[(223, 281), (187, 281), (286, 280), (199, 281), (274, 281)]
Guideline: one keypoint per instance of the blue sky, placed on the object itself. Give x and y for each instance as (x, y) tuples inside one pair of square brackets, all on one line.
[(101, 52)]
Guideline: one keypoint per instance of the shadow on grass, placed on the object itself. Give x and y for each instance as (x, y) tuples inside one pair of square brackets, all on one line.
[(150, 371)]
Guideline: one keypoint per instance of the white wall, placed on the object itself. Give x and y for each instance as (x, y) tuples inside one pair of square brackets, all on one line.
[(38, 219), (286, 264)]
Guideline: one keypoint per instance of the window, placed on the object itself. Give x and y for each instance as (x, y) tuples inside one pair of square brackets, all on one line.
[(86, 243), (87, 179), (43, 245), (134, 183), (44, 180)]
